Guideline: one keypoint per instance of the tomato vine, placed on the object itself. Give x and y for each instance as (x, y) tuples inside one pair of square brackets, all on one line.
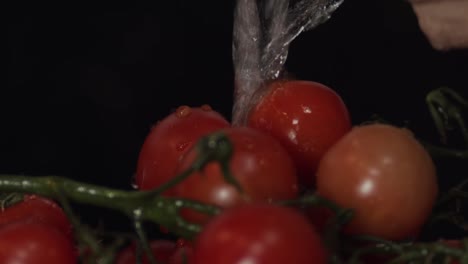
[(150, 206)]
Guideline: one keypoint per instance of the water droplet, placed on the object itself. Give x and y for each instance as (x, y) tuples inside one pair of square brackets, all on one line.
[(181, 146), (183, 111), (306, 109), (206, 107), (133, 182), (292, 136)]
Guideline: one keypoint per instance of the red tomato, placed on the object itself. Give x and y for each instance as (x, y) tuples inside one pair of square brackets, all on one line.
[(258, 234), (170, 139), (259, 163), (37, 209), (34, 243), (162, 251), (383, 173), (307, 117)]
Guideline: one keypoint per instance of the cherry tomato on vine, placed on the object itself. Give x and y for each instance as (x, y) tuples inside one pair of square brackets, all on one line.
[(37, 209), (383, 173), (259, 163), (258, 234), (306, 117), (34, 243), (170, 139)]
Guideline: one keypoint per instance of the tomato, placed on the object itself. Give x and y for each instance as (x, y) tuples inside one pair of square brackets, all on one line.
[(257, 234), (162, 251), (385, 175), (170, 139), (306, 117), (35, 243), (37, 209), (259, 163)]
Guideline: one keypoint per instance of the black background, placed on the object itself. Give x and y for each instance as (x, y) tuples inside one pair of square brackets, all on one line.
[(84, 85)]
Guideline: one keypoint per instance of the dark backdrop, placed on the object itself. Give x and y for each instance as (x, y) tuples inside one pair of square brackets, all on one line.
[(84, 87)]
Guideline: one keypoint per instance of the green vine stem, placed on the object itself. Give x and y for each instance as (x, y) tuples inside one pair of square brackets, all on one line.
[(158, 209), (408, 252), (84, 236), (446, 152), (9, 199), (445, 106), (214, 147), (456, 197), (108, 255), (143, 240), (148, 205)]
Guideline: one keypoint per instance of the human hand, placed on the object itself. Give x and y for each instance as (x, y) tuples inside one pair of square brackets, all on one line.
[(444, 22)]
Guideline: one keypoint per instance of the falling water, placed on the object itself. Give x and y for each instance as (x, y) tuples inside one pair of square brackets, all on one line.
[(262, 33)]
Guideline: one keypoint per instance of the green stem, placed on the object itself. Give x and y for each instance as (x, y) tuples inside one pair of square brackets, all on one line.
[(374, 250), (109, 254), (403, 252), (156, 209), (82, 233), (143, 240), (445, 152), (148, 204), (52, 186), (215, 147), (9, 199), (421, 252), (445, 104), (312, 200), (173, 182)]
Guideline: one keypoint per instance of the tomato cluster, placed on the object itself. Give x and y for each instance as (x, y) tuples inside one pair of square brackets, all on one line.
[(298, 138)]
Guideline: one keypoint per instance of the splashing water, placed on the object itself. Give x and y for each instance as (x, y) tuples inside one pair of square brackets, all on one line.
[(263, 31)]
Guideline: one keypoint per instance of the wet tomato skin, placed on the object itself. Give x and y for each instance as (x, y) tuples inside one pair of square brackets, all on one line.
[(259, 163), (35, 243), (258, 234), (306, 117), (385, 175), (37, 209), (170, 139)]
